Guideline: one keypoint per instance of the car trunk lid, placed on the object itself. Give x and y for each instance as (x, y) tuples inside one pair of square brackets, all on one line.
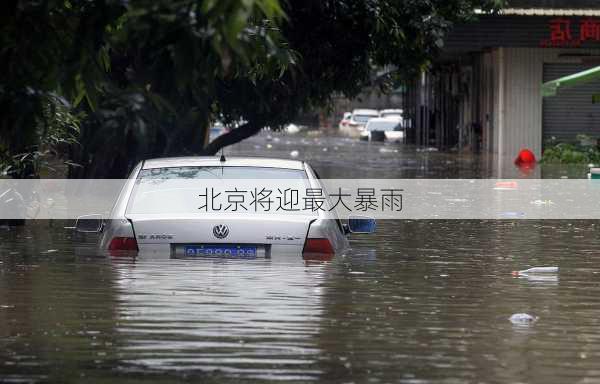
[(221, 229)]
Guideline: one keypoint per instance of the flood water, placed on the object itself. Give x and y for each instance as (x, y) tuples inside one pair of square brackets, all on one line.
[(417, 302)]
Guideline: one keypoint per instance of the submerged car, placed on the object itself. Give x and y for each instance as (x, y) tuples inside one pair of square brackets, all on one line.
[(153, 212), (384, 128), (360, 118), (395, 113)]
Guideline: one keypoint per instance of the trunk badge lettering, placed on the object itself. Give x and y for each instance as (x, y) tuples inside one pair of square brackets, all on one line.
[(155, 236), (282, 237)]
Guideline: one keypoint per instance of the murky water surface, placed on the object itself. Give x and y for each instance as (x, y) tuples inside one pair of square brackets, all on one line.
[(417, 302)]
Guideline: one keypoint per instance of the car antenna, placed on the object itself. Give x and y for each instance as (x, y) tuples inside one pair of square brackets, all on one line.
[(222, 160)]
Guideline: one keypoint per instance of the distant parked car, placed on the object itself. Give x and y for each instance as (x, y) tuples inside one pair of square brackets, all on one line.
[(384, 128), (217, 130), (360, 118), (292, 129), (396, 113)]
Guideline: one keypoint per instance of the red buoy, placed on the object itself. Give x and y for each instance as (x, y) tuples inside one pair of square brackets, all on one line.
[(525, 157)]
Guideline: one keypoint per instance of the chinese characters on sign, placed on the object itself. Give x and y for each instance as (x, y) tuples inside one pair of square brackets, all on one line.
[(291, 200), (566, 32)]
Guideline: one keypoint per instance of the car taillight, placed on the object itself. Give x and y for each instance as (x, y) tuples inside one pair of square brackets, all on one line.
[(322, 246), (123, 244)]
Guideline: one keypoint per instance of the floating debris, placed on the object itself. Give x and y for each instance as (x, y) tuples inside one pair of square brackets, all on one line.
[(512, 214), (523, 319), (535, 270), (429, 149), (542, 202), (506, 186), (294, 153)]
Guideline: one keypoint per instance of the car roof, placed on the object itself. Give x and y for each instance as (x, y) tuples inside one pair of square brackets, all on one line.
[(230, 161), (397, 110), (365, 112)]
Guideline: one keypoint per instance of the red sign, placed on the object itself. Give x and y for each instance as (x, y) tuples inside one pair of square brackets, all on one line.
[(561, 32)]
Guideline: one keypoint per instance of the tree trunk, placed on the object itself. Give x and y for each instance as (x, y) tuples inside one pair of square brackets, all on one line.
[(234, 136)]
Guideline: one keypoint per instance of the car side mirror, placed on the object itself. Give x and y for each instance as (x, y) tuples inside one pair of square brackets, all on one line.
[(89, 223), (361, 224)]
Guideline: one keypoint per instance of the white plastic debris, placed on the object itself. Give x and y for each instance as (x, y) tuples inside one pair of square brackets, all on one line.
[(512, 214), (428, 149), (535, 270), (294, 153), (522, 319), (542, 202), (269, 146)]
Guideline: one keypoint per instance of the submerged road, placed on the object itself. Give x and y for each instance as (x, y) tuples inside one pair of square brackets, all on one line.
[(417, 302)]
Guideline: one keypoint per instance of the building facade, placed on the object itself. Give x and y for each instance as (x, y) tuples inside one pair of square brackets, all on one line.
[(484, 92)]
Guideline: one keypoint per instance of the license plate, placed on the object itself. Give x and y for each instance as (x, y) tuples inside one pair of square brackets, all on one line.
[(233, 251)]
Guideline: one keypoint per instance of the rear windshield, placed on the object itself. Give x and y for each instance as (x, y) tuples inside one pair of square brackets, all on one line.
[(194, 190), (363, 118), (384, 126)]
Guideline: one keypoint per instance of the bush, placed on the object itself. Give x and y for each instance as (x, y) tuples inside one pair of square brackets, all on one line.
[(569, 153)]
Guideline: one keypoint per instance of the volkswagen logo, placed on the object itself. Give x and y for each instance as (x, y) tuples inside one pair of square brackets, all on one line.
[(220, 231)]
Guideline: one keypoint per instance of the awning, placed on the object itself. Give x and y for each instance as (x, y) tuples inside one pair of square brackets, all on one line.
[(557, 12), (550, 12), (550, 88)]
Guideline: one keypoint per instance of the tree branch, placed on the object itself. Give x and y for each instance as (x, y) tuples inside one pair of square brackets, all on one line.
[(234, 136)]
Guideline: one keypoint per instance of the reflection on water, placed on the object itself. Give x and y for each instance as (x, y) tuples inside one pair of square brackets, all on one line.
[(420, 301), (232, 317)]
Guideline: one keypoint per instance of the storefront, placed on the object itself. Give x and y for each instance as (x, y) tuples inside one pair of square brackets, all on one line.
[(484, 92)]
